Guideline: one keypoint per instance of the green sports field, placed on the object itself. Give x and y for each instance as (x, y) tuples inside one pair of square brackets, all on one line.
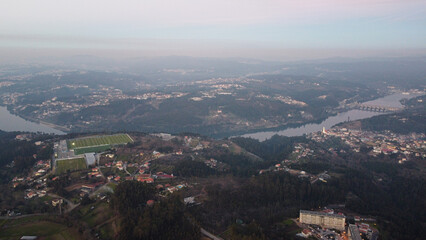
[(99, 140), (70, 164), (83, 150)]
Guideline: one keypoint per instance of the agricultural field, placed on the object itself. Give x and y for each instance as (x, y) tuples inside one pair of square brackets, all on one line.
[(41, 226), (70, 164), (98, 217), (103, 142)]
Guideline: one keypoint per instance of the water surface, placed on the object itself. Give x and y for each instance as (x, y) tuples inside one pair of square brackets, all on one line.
[(10, 122), (388, 101)]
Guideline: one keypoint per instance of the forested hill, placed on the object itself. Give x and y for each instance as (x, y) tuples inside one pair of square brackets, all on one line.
[(22, 153)]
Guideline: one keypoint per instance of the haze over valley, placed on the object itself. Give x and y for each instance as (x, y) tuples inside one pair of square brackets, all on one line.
[(213, 120)]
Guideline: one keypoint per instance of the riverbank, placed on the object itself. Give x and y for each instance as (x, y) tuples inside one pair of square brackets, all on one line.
[(57, 127), (11, 122), (392, 100)]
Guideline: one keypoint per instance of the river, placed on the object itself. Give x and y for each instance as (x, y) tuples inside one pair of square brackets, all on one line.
[(10, 122), (388, 101)]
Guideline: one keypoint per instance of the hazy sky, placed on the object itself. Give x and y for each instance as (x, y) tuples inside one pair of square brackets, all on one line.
[(247, 28)]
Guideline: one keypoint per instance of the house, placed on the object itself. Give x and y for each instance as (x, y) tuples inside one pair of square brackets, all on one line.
[(150, 203), (162, 175), (146, 180), (31, 195), (41, 193), (172, 189), (305, 233), (56, 202), (329, 211), (189, 200), (145, 175)]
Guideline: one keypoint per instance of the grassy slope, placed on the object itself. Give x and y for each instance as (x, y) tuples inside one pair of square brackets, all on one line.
[(37, 226)]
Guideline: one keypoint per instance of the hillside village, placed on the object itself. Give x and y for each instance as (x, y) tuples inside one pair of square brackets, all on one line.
[(94, 169)]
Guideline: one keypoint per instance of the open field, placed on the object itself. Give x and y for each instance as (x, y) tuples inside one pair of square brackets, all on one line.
[(99, 140), (70, 164), (37, 226), (101, 218)]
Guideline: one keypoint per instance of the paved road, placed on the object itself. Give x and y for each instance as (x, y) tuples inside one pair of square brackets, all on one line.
[(71, 205), (103, 188), (209, 235), (26, 215)]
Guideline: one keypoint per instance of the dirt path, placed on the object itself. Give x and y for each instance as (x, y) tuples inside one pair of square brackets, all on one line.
[(130, 111)]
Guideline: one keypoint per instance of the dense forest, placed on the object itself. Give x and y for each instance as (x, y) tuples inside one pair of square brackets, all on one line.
[(275, 148), (23, 154), (271, 198), (163, 219)]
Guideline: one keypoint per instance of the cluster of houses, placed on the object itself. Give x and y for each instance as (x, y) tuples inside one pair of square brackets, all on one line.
[(212, 163), (86, 189), (407, 146), (277, 167), (95, 172), (195, 143), (36, 182), (302, 151), (42, 167), (142, 175), (168, 188), (32, 193), (323, 177)]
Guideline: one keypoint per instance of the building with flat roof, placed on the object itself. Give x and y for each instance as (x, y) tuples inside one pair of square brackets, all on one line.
[(353, 232), (90, 158), (322, 219)]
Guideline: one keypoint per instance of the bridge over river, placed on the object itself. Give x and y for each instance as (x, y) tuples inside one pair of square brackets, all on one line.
[(376, 108)]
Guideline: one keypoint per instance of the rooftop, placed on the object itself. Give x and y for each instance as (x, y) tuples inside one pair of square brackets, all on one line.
[(354, 232), (322, 214)]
